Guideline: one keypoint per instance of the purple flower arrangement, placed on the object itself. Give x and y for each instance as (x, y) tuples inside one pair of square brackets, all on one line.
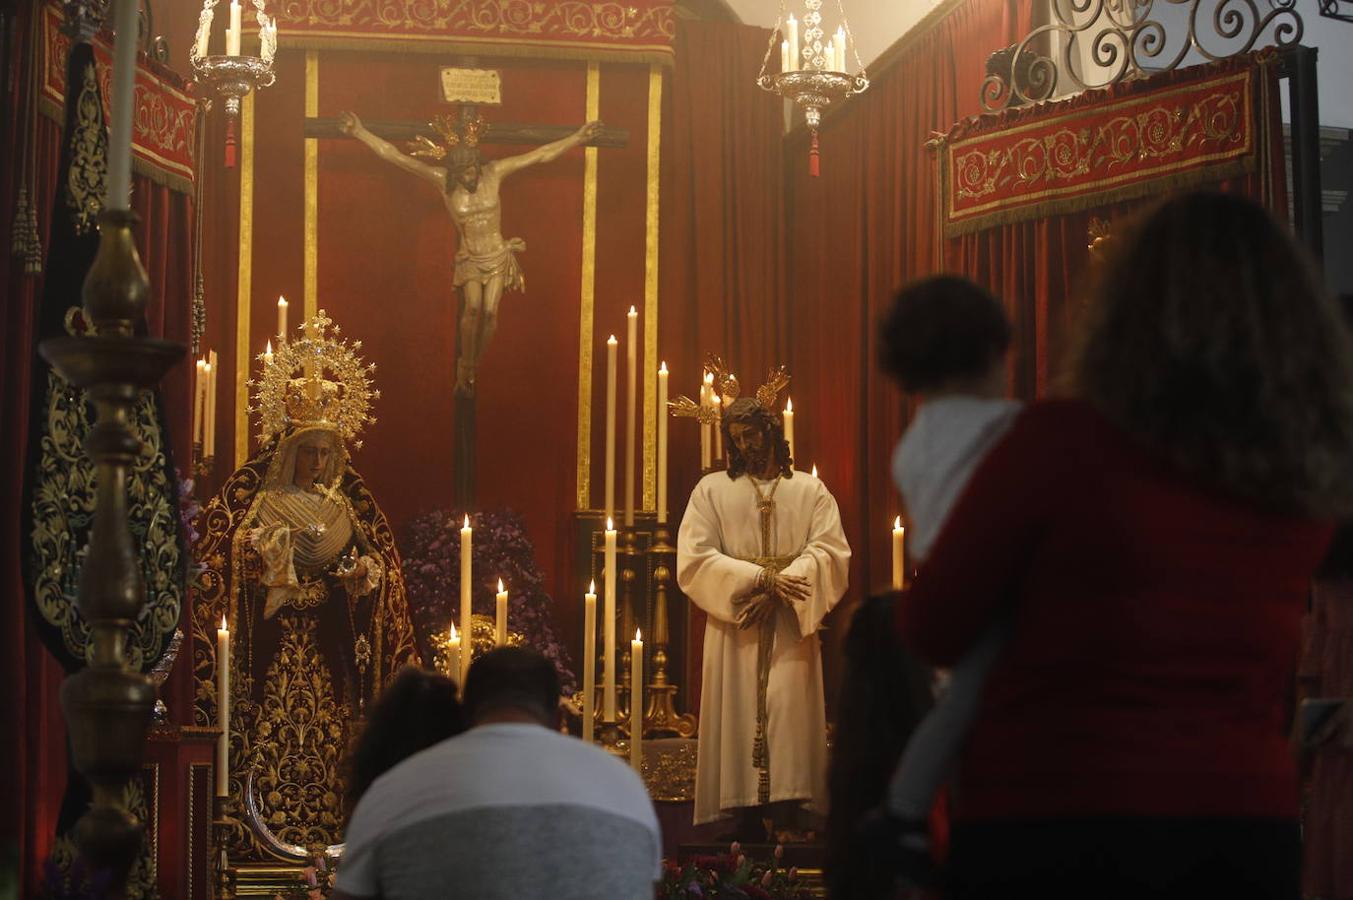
[(430, 545), (731, 874)]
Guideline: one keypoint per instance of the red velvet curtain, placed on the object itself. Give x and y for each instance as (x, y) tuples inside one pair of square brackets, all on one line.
[(33, 767), (856, 233), (722, 237)]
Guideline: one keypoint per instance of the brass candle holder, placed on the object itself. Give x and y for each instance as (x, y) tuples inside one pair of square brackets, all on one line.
[(660, 716)]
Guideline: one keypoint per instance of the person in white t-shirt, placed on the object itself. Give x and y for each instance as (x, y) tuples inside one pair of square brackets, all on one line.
[(509, 809)]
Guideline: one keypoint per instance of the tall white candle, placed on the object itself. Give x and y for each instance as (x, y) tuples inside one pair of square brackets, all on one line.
[(453, 653), (466, 625), (706, 431), (662, 443), (899, 554), (589, 659), (789, 425), (204, 33), (631, 382), (281, 318), (223, 709), (610, 427), (123, 100), (784, 56), (500, 620), (213, 376), (839, 46), (234, 49), (637, 701), (608, 627), (199, 402), (793, 38)]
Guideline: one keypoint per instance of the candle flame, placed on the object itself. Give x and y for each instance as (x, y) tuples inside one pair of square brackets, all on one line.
[(897, 523), (662, 368), (281, 301), (592, 587), (467, 522), (789, 404), (223, 624), (633, 311), (268, 350), (453, 631), (610, 526), (611, 339), (638, 637), (500, 586), (814, 470), (709, 378)]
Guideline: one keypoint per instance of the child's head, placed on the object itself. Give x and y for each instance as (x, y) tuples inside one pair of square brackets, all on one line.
[(945, 334)]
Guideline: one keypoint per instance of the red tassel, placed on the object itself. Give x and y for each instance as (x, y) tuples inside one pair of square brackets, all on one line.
[(230, 143), (813, 166)]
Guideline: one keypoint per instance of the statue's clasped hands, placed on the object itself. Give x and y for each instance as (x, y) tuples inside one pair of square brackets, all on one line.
[(772, 589)]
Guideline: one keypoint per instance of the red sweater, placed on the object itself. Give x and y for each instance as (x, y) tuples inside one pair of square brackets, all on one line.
[(1156, 627)]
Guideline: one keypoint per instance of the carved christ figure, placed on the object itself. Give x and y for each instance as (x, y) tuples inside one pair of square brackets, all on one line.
[(486, 262)]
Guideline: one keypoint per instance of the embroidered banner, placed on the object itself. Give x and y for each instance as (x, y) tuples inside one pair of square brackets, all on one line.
[(165, 117), (632, 31), (1100, 147)]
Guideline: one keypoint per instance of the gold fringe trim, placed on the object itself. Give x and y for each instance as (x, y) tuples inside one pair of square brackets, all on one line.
[(514, 49)]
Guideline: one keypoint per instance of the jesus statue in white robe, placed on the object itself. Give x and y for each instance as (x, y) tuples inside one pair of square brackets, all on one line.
[(762, 552)]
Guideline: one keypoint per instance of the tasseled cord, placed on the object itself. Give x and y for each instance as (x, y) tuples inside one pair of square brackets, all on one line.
[(230, 143), (813, 165)]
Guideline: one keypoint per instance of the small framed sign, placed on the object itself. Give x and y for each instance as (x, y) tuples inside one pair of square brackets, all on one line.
[(471, 86)]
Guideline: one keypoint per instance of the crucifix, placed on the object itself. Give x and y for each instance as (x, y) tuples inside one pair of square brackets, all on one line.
[(445, 152)]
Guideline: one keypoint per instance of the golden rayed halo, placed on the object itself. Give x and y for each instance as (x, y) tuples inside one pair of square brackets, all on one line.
[(314, 381)]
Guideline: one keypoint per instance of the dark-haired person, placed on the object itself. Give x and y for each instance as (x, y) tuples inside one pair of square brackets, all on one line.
[(509, 809), (944, 341), (761, 551), (418, 709), (1152, 541)]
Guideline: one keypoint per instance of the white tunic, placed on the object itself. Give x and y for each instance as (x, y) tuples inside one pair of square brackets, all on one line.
[(719, 532)]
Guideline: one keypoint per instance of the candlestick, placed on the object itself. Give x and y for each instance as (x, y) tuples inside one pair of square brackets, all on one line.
[(199, 402), (123, 101), (793, 38), (223, 709), (466, 625), (281, 318), (632, 380), (589, 659), (636, 702), (213, 374), (662, 443), (453, 654), (610, 427), (500, 632), (608, 627), (899, 554), (789, 425)]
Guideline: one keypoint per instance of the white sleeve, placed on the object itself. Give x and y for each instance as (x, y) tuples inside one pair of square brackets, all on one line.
[(825, 562), (705, 573)]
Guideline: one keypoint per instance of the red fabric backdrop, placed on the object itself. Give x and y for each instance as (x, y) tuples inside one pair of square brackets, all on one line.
[(856, 233), (34, 764)]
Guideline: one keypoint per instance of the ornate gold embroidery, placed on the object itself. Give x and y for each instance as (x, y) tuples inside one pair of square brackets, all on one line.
[(62, 515), (89, 148), (141, 881)]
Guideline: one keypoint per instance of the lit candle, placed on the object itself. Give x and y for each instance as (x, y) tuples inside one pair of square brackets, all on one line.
[(281, 318), (662, 443), (608, 627), (716, 404), (267, 356), (233, 36), (213, 374), (793, 38), (839, 45), (589, 659), (466, 626), (784, 56), (500, 633), (204, 32), (706, 433), (632, 380), (199, 401), (637, 701), (610, 427), (124, 99), (453, 653), (223, 709), (789, 425), (899, 554)]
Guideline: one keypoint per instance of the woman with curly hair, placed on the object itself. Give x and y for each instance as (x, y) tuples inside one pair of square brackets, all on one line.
[(1151, 541)]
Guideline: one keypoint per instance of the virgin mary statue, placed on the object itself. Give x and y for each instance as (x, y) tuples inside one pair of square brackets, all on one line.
[(301, 564)]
